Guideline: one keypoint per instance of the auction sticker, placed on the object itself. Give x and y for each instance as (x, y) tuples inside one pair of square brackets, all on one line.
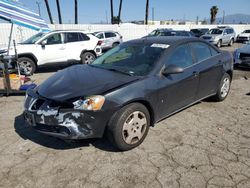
[(160, 45)]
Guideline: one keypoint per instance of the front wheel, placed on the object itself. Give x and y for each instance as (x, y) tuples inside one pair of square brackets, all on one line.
[(27, 65), (219, 43), (129, 126), (231, 42), (87, 58), (223, 89)]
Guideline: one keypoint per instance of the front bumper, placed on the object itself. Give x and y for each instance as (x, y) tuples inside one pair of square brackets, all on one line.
[(67, 123)]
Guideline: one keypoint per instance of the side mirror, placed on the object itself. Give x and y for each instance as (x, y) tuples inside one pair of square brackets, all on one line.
[(43, 43), (172, 69)]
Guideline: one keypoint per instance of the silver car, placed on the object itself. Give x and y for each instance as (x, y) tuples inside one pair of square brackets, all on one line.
[(220, 36), (242, 56), (108, 39)]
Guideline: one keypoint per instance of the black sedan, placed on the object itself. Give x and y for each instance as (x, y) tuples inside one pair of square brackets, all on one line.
[(128, 89)]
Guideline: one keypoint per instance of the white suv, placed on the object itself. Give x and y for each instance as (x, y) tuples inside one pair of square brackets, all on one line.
[(56, 46), (108, 39)]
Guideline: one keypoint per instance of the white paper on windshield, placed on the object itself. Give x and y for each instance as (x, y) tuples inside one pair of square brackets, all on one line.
[(160, 45)]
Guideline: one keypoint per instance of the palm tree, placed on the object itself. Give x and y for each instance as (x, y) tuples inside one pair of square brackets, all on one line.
[(49, 13), (146, 14), (59, 11), (111, 10), (119, 14), (213, 12), (76, 12)]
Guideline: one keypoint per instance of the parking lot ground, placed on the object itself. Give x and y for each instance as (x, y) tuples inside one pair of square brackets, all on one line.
[(205, 145)]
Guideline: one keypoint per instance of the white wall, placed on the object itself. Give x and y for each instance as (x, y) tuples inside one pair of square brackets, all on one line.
[(128, 31)]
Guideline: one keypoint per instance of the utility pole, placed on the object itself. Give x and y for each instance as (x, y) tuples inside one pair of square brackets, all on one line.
[(153, 14), (223, 18), (120, 10), (39, 8), (146, 14), (112, 13), (76, 12), (59, 11)]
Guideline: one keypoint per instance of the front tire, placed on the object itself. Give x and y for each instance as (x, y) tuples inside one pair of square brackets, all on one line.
[(129, 126), (231, 42), (87, 58), (27, 66), (224, 88)]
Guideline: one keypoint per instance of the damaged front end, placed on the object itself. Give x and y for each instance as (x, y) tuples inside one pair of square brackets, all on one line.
[(59, 119)]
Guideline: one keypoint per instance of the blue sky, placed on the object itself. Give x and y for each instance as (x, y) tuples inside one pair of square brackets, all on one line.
[(94, 11)]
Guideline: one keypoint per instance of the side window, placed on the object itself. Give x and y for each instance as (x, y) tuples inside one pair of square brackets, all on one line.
[(181, 57), (83, 37), (109, 35), (54, 39), (213, 51), (100, 36), (201, 51), (72, 37)]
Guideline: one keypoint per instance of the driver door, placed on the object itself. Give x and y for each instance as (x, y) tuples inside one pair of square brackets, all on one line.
[(53, 49), (178, 90)]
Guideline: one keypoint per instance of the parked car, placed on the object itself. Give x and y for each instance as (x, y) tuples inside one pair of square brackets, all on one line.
[(244, 36), (128, 89), (56, 46), (169, 32), (220, 36), (109, 39), (242, 56), (199, 31)]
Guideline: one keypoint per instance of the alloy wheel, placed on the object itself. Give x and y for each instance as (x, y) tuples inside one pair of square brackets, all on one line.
[(25, 67), (225, 87), (89, 59), (134, 127)]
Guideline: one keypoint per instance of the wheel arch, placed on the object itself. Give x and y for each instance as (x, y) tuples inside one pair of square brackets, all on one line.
[(29, 55), (91, 51)]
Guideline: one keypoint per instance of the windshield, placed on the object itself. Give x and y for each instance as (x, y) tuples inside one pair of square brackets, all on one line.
[(33, 39), (131, 59), (215, 31), (246, 31)]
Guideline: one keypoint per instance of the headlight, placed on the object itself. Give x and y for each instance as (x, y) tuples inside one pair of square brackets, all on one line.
[(92, 103)]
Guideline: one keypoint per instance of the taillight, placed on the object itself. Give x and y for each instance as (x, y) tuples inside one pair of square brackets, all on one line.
[(99, 43)]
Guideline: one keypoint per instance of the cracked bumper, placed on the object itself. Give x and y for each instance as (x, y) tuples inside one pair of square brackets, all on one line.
[(66, 123)]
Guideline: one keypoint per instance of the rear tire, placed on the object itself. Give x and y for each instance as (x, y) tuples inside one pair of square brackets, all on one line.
[(223, 89), (27, 66), (129, 126), (231, 42), (87, 58), (219, 43), (115, 44)]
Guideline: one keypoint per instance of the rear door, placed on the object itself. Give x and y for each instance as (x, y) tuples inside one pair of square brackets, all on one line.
[(178, 90), (76, 42), (109, 38), (209, 65)]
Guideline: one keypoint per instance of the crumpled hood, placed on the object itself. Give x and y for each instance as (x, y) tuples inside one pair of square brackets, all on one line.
[(80, 81)]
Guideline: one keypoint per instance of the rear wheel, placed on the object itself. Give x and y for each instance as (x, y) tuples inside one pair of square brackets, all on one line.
[(224, 88), (219, 43), (87, 58), (27, 65), (231, 42), (129, 126), (115, 44)]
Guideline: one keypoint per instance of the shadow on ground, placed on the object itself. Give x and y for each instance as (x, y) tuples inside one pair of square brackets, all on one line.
[(53, 67), (28, 133)]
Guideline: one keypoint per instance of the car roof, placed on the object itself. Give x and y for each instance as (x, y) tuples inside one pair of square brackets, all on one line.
[(170, 40), (68, 30)]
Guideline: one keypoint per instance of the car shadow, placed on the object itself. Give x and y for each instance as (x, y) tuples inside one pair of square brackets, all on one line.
[(53, 67), (28, 133)]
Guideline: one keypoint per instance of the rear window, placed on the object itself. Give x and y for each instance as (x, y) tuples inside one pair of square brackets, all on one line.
[(76, 37), (109, 35), (201, 50)]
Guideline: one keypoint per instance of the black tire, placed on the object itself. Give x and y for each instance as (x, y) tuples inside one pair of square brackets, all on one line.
[(116, 133), (231, 42), (222, 95), (115, 44), (27, 65), (87, 58), (219, 43)]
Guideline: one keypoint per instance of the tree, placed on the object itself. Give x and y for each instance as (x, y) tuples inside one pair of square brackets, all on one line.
[(112, 11), (213, 13), (76, 12), (119, 14), (59, 11), (146, 12), (48, 10), (116, 20)]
